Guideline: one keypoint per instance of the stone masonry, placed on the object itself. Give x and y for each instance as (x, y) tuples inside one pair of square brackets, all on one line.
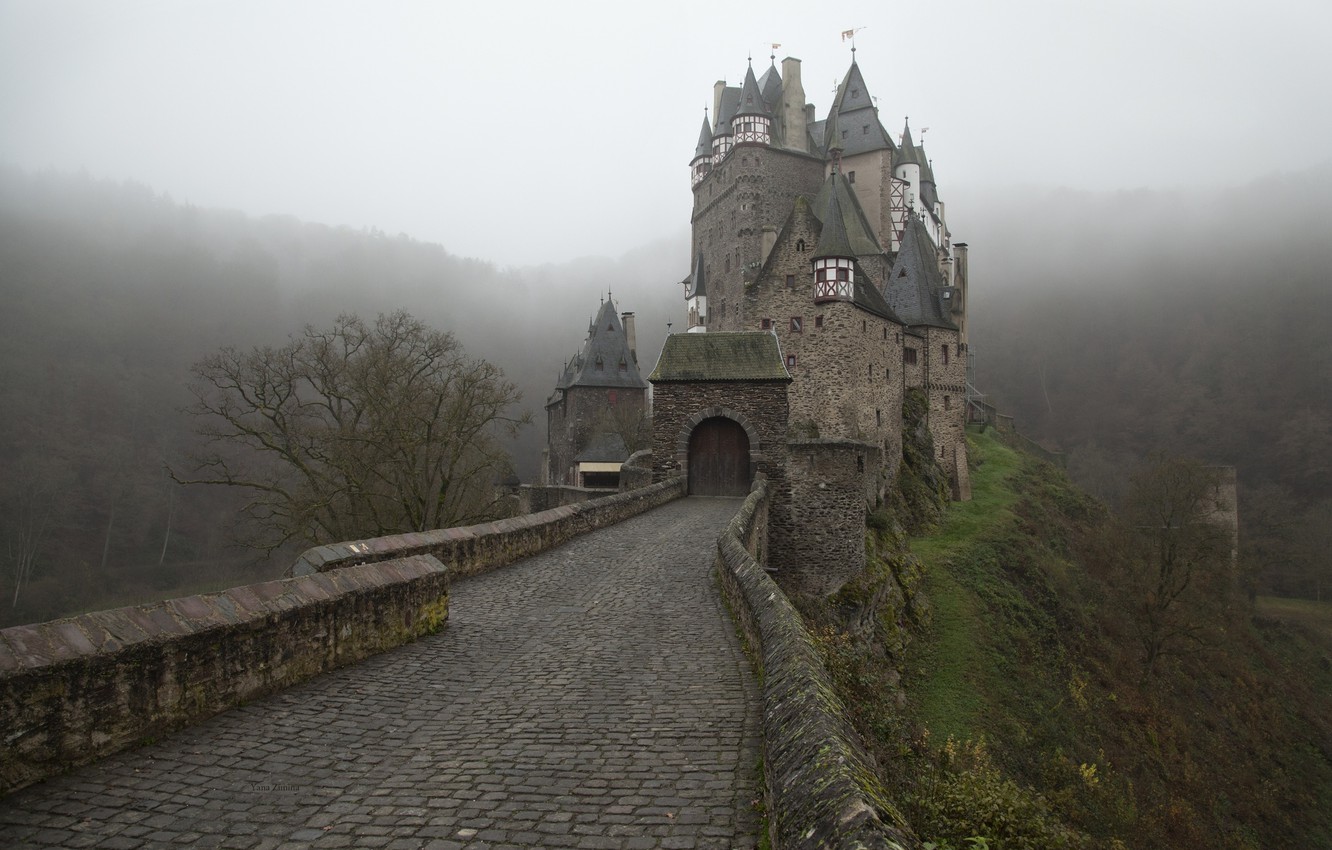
[(593, 696)]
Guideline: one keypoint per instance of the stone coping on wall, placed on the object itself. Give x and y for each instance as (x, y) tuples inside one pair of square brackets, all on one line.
[(473, 549), (822, 790), (76, 689)]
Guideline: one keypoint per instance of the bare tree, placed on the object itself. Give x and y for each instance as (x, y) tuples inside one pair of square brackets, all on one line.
[(1176, 559), (32, 499), (355, 431)]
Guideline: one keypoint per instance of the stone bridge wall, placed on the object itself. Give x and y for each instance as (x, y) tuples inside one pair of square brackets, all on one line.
[(479, 548), (74, 690), (77, 689), (822, 790)]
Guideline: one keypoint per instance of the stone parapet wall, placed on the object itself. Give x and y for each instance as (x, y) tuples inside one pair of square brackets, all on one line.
[(822, 790), (77, 689), (534, 498), (474, 549)]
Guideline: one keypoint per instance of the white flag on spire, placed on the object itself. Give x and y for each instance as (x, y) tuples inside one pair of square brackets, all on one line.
[(848, 34)]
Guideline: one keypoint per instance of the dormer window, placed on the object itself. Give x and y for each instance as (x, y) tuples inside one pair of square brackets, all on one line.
[(600, 364)]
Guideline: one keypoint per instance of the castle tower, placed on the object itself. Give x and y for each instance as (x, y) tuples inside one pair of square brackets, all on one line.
[(596, 407), (834, 262), (753, 120), (701, 164), (696, 297), (907, 168)]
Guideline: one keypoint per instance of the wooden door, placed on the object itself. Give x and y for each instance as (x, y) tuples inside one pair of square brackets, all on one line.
[(719, 459)]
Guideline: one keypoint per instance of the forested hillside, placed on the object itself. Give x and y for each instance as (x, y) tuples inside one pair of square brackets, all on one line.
[(112, 292), (1119, 327)]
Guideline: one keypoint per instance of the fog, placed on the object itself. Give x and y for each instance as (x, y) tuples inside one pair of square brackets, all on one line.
[(525, 133)]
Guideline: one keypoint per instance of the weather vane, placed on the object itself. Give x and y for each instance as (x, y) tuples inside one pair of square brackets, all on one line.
[(851, 35)]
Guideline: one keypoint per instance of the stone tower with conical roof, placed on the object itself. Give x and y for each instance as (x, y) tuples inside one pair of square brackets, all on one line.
[(594, 415)]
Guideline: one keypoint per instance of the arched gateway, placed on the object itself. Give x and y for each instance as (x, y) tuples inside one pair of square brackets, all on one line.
[(719, 463)]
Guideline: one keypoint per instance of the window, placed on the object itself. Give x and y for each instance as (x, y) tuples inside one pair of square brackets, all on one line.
[(796, 325), (790, 280), (885, 333), (765, 324), (869, 370), (790, 361), (948, 402), (909, 356), (818, 321), (624, 367), (864, 129), (864, 326), (850, 177), (944, 348), (800, 245), (878, 417), (887, 374), (600, 364), (843, 134)]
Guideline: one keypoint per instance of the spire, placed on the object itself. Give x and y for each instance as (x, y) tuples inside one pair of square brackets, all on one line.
[(833, 241), (697, 286), (704, 146), (908, 155), (751, 96), (833, 139)]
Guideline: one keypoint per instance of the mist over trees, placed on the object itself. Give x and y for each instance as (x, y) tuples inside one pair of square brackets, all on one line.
[(1113, 326), (112, 292), (1194, 324)]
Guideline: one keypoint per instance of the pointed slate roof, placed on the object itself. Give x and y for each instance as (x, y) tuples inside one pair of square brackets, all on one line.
[(749, 356), (604, 352), (704, 146), (771, 86), (751, 97), (857, 117), (859, 233), (833, 241), (929, 193), (907, 150), (832, 134), (865, 294), (730, 102), (915, 285), (697, 285)]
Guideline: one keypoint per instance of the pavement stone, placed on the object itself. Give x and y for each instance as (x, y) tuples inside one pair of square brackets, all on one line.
[(593, 696)]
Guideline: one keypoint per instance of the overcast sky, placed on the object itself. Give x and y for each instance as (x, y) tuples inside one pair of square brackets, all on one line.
[(528, 132)]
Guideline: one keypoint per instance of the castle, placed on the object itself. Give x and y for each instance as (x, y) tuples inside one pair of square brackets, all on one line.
[(824, 285)]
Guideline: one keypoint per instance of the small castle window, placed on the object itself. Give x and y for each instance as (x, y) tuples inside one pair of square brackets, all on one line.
[(850, 177), (948, 402), (790, 361), (766, 324), (864, 326), (790, 280), (800, 245), (855, 92), (887, 374), (864, 129), (818, 321), (944, 348), (869, 370), (624, 367), (909, 356), (843, 134), (796, 325), (600, 364), (885, 333), (878, 417)]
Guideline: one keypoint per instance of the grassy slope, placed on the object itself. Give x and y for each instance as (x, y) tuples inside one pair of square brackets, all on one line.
[(1029, 653)]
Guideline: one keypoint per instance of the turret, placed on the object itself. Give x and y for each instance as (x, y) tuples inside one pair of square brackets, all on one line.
[(701, 164), (834, 260), (753, 120), (696, 296), (907, 167)]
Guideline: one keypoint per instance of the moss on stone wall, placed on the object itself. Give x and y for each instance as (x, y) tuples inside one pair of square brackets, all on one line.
[(918, 501)]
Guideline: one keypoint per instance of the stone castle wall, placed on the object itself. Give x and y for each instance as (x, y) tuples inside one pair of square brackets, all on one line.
[(752, 188), (818, 528)]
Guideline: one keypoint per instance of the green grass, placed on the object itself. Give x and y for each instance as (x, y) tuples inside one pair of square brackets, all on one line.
[(953, 671), (1314, 616)]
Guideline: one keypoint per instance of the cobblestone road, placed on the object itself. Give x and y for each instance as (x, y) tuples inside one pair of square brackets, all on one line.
[(590, 697)]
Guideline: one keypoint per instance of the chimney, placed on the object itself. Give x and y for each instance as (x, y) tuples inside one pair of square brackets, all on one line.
[(628, 320), (793, 105)]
